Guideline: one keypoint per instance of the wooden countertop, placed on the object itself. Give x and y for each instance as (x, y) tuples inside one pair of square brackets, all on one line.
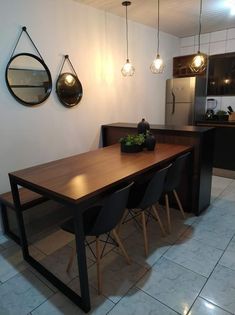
[(177, 129), (85, 175), (216, 123)]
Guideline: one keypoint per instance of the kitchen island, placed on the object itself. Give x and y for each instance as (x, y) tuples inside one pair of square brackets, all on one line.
[(195, 189), (224, 149)]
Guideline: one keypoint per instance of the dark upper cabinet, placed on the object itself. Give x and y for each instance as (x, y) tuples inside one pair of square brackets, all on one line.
[(221, 75), (181, 67)]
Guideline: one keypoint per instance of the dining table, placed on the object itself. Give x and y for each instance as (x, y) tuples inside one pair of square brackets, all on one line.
[(77, 182)]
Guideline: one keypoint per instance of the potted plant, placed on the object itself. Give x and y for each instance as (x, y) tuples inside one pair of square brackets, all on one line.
[(132, 143), (221, 115)]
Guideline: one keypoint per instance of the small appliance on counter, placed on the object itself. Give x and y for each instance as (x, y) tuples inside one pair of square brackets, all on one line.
[(211, 105)]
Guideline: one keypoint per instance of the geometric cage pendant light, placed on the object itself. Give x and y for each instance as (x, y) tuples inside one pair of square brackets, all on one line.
[(157, 65), (199, 61), (127, 69)]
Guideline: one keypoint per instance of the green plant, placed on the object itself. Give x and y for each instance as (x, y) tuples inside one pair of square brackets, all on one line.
[(221, 112), (133, 139)]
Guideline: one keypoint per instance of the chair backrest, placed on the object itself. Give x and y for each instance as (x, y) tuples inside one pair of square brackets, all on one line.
[(154, 189), (174, 174), (111, 212)]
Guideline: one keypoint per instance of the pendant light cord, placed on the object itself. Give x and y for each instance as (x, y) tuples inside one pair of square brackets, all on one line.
[(127, 44), (158, 22), (200, 27)]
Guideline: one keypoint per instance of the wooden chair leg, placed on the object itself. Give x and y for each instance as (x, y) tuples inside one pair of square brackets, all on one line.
[(71, 258), (98, 266), (122, 248), (179, 203), (144, 233), (159, 220), (168, 213)]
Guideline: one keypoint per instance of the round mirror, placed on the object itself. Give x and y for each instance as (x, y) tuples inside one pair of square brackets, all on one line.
[(69, 89), (28, 79)]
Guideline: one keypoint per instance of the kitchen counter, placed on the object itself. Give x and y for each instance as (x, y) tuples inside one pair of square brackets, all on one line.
[(175, 129), (195, 193), (224, 149), (215, 123)]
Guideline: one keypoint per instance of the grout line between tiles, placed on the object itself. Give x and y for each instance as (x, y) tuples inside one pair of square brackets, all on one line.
[(159, 301), (210, 276)]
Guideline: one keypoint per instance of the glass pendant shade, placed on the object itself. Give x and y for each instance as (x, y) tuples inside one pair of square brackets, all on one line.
[(199, 63), (157, 65), (128, 69)]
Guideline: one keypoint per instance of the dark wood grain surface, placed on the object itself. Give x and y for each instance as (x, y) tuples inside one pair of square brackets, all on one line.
[(82, 176)]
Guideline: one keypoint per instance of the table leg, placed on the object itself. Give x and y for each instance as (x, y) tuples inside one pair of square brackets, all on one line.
[(82, 301), (19, 217), (81, 258)]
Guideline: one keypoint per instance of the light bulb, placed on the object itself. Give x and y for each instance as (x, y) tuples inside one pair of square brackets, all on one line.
[(157, 65), (198, 63), (128, 69)]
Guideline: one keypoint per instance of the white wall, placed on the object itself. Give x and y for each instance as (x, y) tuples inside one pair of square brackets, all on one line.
[(95, 42), (212, 43)]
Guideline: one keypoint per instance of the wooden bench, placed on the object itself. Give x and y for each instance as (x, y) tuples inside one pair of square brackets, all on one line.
[(28, 200)]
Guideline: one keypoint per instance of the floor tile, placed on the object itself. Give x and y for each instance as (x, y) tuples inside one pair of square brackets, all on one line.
[(203, 307), (137, 302), (213, 238), (220, 289), (194, 255), (22, 293), (59, 304), (6, 242), (12, 262), (172, 285), (228, 258), (57, 264), (54, 241), (219, 220), (221, 182), (117, 276), (134, 246)]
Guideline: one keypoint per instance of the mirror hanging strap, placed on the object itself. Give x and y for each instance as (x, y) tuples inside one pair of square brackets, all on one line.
[(66, 57), (24, 29)]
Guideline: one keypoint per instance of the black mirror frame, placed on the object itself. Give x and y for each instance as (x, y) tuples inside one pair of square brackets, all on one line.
[(58, 92), (49, 79)]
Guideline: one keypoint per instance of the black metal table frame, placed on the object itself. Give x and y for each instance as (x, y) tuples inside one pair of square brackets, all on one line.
[(82, 301)]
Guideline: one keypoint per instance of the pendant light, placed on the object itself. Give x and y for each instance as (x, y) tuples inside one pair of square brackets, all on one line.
[(127, 69), (157, 65), (199, 61)]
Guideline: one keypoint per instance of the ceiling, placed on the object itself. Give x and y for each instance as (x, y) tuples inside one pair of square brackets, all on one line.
[(177, 17)]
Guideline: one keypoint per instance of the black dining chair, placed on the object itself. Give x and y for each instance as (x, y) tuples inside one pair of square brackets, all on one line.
[(172, 182), (102, 219), (143, 200)]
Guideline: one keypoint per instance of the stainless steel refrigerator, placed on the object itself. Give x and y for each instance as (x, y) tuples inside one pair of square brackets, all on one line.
[(185, 100)]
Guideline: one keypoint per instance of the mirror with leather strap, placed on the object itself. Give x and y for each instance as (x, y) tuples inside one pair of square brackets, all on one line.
[(68, 87), (27, 77)]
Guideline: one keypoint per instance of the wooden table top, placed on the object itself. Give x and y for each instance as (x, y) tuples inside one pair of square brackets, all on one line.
[(82, 176)]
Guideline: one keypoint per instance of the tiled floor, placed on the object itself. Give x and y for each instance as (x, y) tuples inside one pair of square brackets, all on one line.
[(190, 272)]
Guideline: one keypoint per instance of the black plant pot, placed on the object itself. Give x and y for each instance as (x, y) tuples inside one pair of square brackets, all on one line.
[(131, 148), (150, 142)]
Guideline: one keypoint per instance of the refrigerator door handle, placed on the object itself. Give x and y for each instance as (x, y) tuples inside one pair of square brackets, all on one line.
[(173, 103)]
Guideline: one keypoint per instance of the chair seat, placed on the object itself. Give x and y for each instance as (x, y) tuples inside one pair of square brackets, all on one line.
[(90, 216)]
